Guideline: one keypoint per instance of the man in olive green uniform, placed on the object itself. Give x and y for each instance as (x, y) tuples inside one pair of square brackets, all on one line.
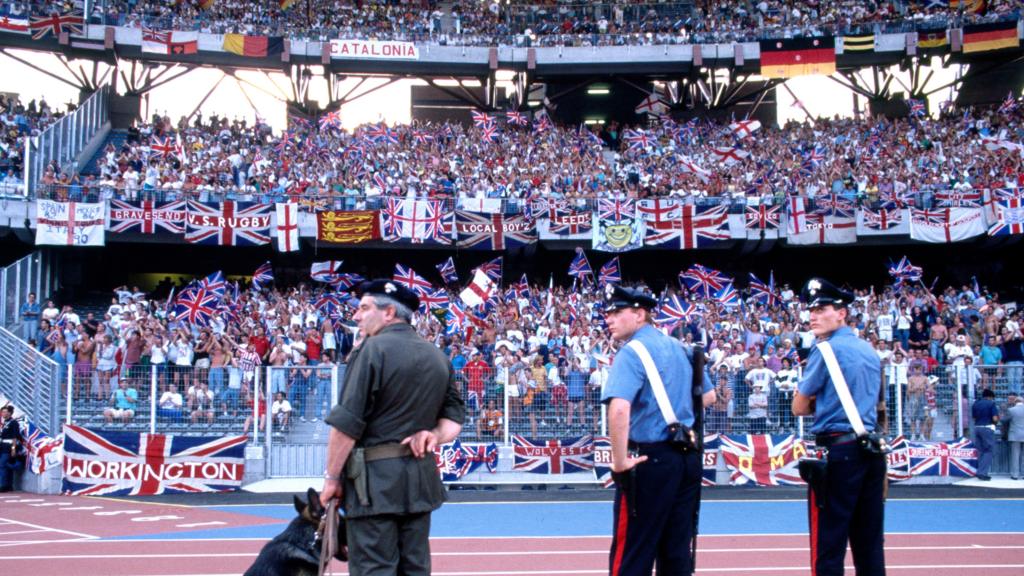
[(399, 402)]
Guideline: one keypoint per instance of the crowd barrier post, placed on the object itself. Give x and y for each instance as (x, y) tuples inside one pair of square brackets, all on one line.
[(70, 389), (268, 432), (256, 399), (506, 425), (800, 426), (604, 419), (959, 410), (899, 407), (153, 390)]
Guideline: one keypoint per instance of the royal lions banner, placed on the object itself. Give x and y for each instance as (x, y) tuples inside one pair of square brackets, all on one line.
[(946, 224), (228, 223), (348, 227), (133, 464), (147, 217), (70, 223), (764, 459), (557, 456)]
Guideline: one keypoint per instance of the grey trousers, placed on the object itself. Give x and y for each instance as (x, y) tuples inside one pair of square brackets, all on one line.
[(1015, 453), (389, 545)]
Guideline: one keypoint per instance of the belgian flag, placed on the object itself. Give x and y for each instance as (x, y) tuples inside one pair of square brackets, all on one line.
[(931, 38), (798, 57), (253, 46), (864, 43), (991, 36)]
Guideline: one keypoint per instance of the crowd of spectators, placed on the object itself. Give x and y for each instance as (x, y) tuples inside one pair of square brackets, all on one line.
[(493, 22), (18, 122), (547, 350), (867, 160)]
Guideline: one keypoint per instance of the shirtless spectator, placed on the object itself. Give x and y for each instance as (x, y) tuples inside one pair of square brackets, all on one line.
[(915, 407)]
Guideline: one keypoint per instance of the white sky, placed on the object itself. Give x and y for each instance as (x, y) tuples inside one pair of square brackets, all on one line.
[(820, 95)]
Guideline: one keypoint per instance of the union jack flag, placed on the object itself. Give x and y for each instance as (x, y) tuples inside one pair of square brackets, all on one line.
[(346, 281), (493, 268), (459, 459), (1008, 105), (416, 220), (133, 464), (816, 156), (762, 292), (637, 139), (904, 271), (447, 271), (833, 205), (433, 300), (196, 305), (917, 107), (565, 221), (214, 282), (883, 219), (616, 210), (422, 136), (1010, 219), (56, 24), (482, 119), (580, 266), (147, 216), (894, 199), (410, 279), (328, 305), (673, 311), (958, 458), (728, 296), (559, 456), (262, 276), (769, 460), (542, 123), (763, 217), (521, 289), (516, 118), (956, 198), (489, 132), (163, 147), (493, 231), (703, 280), (609, 273), (228, 224), (43, 450), (330, 120)]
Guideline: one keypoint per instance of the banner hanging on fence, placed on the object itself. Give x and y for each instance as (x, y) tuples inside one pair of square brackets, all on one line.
[(764, 459), (133, 464), (70, 223), (557, 456), (456, 460)]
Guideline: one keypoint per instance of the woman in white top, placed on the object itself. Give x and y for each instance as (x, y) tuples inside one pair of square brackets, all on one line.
[(182, 354), (105, 364), (158, 358)]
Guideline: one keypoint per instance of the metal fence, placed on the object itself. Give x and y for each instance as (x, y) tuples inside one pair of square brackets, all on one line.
[(31, 274), (65, 139), (30, 381), (534, 401)]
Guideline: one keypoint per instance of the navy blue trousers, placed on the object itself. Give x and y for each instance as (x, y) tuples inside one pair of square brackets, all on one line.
[(854, 513), (665, 491)]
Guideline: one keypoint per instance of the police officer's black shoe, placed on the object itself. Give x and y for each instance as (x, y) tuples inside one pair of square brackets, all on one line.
[(984, 477)]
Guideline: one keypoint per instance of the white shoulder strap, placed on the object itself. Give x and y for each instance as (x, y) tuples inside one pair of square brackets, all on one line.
[(657, 386), (842, 390)]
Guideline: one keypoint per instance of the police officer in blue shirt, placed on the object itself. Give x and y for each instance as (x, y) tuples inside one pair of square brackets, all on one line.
[(848, 502), (657, 479)]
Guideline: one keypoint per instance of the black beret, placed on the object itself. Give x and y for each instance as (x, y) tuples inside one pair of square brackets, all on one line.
[(820, 292), (616, 297), (390, 289)]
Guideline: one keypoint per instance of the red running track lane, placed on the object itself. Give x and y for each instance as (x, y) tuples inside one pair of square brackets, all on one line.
[(909, 554)]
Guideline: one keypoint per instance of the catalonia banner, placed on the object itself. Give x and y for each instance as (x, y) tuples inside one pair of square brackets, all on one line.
[(348, 227)]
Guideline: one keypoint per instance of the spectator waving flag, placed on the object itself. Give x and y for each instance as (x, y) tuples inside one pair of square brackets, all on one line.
[(609, 273), (638, 140), (762, 292), (326, 272), (214, 283), (434, 300), (917, 108), (673, 311), (704, 280), (410, 279), (904, 271), (516, 118), (479, 290), (728, 296), (580, 266), (447, 271), (263, 276), (196, 305), (745, 128), (482, 120), (521, 289), (1008, 105), (492, 268), (330, 120)]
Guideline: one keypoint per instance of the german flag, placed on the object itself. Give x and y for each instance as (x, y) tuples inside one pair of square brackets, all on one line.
[(931, 38), (991, 36), (286, 4), (253, 46), (859, 43), (348, 227), (798, 57), (969, 6)]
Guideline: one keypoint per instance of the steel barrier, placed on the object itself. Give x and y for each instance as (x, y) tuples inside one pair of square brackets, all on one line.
[(31, 381)]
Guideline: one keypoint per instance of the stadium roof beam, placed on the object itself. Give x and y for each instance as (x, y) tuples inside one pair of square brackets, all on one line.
[(140, 81), (83, 83), (463, 95), (974, 73)]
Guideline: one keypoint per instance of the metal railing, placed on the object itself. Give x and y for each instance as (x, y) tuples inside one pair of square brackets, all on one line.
[(31, 274), (65, 139), (31, 381)]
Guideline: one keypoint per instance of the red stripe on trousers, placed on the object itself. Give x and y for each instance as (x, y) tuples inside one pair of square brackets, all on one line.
[(813, 521), (620, 534)]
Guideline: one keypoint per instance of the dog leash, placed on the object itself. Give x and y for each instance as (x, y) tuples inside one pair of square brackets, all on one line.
[(328, 530)]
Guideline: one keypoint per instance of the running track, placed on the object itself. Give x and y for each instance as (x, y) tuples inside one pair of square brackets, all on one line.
[(108, 537)]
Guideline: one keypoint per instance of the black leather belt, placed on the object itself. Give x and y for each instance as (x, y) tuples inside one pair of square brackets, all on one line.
[(827, 440), (643, 447)]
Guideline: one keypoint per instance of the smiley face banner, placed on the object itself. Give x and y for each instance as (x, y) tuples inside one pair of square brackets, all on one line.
[(617, 227)]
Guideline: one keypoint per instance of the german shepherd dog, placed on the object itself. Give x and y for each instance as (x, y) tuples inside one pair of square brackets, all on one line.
[(296, 551)]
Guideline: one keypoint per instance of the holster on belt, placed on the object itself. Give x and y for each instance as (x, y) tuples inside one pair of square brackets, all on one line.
[(814, 471), (355, 470)]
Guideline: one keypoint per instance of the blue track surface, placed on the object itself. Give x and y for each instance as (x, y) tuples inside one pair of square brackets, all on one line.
[(566, 519)]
